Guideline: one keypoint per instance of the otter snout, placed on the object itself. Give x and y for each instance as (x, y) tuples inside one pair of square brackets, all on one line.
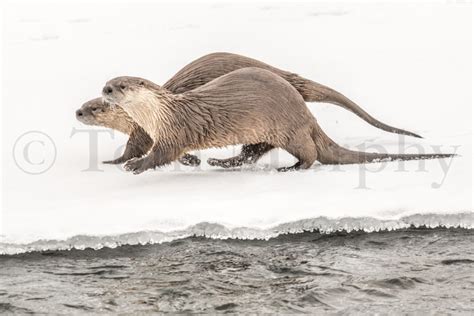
[(111, 88), (84, 115), (109, 95), (108, 89), (79, 113), (91, 112), (116, 90)]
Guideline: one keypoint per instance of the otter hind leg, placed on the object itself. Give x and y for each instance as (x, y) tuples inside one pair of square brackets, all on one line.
[(226, 163), (304, 149), (296, 166), (248, 155)]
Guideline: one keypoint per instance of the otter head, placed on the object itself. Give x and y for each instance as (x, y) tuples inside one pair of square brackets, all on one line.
[(97, 112), (93, 112), (140, 98), (125, 90)]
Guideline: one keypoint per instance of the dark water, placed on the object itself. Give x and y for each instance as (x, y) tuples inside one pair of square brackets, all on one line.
[(415, 270)]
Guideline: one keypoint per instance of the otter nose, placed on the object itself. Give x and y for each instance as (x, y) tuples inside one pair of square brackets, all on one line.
[(107, 89), (79, 113)]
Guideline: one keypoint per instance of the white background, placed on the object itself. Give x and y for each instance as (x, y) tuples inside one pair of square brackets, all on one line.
[(409, 65)]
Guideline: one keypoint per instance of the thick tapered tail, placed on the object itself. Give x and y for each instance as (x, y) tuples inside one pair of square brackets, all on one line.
[(315, 92), (331, 153), (341, 156)]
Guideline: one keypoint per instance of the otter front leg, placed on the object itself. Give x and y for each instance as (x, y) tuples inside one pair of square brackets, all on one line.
[(117, 161), (186, 159), (138, 165), (137, 145), (157, 157), (249, 154)]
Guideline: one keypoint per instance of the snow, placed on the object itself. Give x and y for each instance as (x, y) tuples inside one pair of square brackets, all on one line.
[(409, 65)]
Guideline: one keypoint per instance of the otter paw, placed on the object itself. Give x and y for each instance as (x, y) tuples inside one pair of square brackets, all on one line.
[(190, 160), (220, 163), (135, 165), (286, 169), (213, 162)]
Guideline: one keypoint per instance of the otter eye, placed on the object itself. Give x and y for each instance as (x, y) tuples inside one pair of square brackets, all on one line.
[(94, 109), (142, 83), (122, 86)]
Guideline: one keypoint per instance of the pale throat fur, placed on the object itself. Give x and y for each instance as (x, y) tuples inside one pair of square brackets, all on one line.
[(149, 110)]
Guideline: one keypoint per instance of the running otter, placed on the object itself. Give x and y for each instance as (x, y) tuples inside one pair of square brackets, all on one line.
[(205, 69), (246, 106)]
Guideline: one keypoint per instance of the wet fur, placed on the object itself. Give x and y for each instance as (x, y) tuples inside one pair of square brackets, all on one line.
[(249, 106)]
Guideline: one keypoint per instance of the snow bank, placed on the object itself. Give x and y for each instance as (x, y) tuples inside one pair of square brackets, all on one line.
[(322, 225), (408, 65)]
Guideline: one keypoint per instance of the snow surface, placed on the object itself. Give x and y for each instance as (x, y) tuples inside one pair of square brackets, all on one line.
[(409, 65)]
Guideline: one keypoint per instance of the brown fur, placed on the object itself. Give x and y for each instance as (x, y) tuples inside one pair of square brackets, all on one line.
[(249, 106), (96, 112), (202, 71), (214, 65)]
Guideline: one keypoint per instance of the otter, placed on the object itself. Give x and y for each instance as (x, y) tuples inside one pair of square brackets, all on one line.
[(96, 112), (204, 70), (247, 106)]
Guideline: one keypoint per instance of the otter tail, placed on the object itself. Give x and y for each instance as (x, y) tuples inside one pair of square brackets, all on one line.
[(331, 153), (315, 92)]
